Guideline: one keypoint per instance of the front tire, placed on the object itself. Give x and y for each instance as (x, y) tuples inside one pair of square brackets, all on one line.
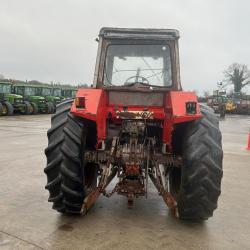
[(200, 178)]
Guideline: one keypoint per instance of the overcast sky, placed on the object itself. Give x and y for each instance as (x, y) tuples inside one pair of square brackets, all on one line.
[(53, 40)]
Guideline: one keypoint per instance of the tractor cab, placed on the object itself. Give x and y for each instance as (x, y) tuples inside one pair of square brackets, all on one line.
[(143, 58), (47, 93), (57, 91), (68, 92), (7, 95), (29, 93), (5, 89), (11, 102)]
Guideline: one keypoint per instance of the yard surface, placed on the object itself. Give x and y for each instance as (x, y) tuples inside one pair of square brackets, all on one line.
[(28, 222)]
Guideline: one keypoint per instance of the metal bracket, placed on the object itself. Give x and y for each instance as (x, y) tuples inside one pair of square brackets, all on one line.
[(166, 195), (105, 180), (89, 201)]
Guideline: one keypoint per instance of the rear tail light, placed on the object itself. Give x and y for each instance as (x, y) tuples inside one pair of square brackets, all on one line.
[(80, 102), (191, 108)]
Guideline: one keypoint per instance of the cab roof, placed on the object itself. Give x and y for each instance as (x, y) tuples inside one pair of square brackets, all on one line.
[(31, 85), (134, 33), (5, 83)]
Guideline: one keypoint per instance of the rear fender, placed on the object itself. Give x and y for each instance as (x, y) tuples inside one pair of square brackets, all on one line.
[(95, 109), (175, 112)]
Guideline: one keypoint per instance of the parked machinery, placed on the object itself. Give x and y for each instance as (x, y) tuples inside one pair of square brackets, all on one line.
[(48, 93), (238, 104), (135, 124), (218, 104), (10, 103), (242, 106), (57, 91), (68, 92), (230, 106), (30, 94)]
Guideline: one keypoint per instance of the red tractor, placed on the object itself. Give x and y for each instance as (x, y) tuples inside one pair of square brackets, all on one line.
[(133, 126)]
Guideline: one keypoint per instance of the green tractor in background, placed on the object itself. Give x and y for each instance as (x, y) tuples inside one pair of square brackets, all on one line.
[(48, 93), (57, 91), (30, 94), (10, 103), (68, 92)]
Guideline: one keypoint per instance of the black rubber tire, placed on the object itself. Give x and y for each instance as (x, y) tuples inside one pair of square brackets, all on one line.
[(54, 156), (54, 108), (9, 108), (222, 111), (50, 108), (28, 108), (200, 177), (72, 165), (35, 108), (78, 178), (69, 178), (1, 108)]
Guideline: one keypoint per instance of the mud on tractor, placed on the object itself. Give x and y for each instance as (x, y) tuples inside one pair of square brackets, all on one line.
[(133, 126)]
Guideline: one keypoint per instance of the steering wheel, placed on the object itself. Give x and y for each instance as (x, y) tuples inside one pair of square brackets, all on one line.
[(143, 79)]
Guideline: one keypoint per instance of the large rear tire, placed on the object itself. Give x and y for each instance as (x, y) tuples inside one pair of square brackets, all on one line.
[(197, 185), (28, 108), (1, 109), (54, 155), (7, 108), (35, 109), (78, 177), (69, 178), (72, 187), (49, 108)]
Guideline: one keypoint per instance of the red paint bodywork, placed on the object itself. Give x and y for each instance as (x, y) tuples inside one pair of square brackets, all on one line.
[(98, 109)]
